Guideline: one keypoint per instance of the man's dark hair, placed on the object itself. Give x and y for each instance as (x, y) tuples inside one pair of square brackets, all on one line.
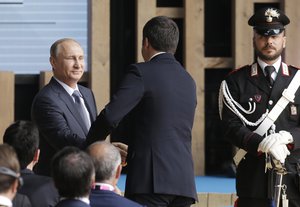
[(72, 172), (162, 33), (9, 161), (23, 136)]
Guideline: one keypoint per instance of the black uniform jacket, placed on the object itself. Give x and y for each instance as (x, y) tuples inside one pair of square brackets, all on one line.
[(246, 86)]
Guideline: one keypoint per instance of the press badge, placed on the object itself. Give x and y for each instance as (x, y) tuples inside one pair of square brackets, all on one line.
[(293, 110)]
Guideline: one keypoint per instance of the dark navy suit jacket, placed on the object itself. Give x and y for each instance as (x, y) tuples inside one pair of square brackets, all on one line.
[(162, 95), (72, 203), (106, 198), (21, 200), (39, 189), (59, 122)]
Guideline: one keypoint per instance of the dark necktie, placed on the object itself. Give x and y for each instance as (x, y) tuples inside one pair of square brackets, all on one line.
[(79, 106), (269, 70)]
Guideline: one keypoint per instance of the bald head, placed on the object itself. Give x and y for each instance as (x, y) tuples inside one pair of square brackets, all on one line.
[(106, 159)]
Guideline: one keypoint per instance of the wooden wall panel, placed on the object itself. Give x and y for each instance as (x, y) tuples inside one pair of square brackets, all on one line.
[(202, 200), (219, 199), (194, 63), (45, 77), (215, 200), (7, 101), (292, 51), (145, 10), (99, 37), (242, 33)]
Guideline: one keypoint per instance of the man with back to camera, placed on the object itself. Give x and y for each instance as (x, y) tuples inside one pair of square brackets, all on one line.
[(162, 95), (108, 167), (23, 136), (271, 144), (10, 178), (73, 173)]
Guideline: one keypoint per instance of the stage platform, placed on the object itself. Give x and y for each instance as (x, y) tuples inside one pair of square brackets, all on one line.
[(213, 191)]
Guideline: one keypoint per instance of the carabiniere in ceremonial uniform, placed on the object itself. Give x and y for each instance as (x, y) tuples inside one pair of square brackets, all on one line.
[(246, 98)]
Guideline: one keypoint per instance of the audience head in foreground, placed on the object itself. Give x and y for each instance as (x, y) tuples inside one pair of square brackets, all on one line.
[(73, 173)]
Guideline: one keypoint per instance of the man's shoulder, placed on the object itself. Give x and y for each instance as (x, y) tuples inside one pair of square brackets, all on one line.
[(84, 89), (239, 73), (116, 200), (38, 183), (294, 67), (35, 177), (72, 202)]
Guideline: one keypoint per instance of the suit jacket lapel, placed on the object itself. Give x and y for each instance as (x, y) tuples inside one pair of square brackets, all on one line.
[(67, 99), (89, 103)]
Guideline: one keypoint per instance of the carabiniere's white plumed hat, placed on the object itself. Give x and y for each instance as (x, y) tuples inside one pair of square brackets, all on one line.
[(269, 21)]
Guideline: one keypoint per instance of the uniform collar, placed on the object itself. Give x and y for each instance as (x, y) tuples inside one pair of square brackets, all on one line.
[(276, 65)]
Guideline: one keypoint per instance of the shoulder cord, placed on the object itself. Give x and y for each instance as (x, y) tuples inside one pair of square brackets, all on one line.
[(226, 98)]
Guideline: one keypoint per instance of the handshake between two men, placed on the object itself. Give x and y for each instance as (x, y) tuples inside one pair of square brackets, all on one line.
[(275, 145)]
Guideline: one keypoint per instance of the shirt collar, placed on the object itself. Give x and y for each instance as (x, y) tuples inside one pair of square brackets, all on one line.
[(276, 65), (83, 199), (104, 186), (66, 87), (5, 201), (156, 55)]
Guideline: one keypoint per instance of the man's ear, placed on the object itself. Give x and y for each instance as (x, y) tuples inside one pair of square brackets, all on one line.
[(36, 155), (284, 41), (146, 42), (52, 62), (15, 186), (118, 172)]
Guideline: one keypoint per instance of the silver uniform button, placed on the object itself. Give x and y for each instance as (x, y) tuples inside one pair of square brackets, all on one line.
[(270, 102), (250, 99)]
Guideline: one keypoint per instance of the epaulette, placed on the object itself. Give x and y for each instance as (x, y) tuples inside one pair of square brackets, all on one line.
[(295, 67), (237, 69)]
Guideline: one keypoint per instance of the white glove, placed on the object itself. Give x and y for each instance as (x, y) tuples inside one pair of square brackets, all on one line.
[(283, 137), (268, 142), (279, 152), (286, 137)]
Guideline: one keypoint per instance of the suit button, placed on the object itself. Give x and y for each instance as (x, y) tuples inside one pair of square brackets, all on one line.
[(270, 102)]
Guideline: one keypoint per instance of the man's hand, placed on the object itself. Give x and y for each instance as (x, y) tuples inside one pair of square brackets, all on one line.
[(281, 138), (286, 137), (268, 142), (123, 148), (279, 152)]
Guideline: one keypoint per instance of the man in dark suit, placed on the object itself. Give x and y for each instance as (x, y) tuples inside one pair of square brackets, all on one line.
[(162, 95), (107, 163), (63, 119), (249, 94), (23, 136), (73, 174)]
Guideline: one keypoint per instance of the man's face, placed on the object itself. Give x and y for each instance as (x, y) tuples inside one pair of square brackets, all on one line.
[(269, 48), (68, 65)]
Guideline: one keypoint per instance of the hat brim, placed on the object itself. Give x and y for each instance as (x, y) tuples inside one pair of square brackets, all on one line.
[(268, 31)]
